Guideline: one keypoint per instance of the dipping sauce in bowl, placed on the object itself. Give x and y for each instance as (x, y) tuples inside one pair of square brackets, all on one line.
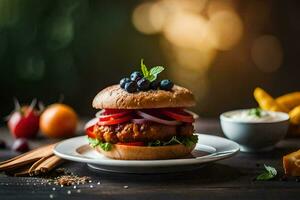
[(255, 115), (255, 129)]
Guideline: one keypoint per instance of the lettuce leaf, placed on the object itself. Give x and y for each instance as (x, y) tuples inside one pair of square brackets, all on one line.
[(106, 146), (186, 141)]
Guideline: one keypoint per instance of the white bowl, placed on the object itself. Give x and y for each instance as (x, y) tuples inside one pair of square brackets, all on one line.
[(255, 136)]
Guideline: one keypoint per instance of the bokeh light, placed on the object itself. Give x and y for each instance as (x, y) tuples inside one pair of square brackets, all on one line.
[(187, 30), (267, 53), (9, 12), (141, 19), (176, 6), (30, 67), (215, 6), (227, 29)]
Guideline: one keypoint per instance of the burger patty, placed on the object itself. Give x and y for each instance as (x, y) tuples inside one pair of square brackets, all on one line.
[(131, 132)]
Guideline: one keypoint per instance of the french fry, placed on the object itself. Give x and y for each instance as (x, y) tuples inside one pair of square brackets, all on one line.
[(295, 115), (267, 102), (290, 100), (291, 164)]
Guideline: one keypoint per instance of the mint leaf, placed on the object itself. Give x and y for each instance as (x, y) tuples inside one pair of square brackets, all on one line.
[(255, 111), (271, 170), (144, 69), (264, 176), (269, 173), (154, 71)]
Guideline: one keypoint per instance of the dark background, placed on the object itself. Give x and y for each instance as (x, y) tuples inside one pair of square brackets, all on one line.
[(75, 48)]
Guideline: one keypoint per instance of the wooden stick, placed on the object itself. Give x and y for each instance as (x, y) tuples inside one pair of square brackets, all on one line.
[(49, 164), (14, 158), (35, 165), (20, 171), (27, 158)]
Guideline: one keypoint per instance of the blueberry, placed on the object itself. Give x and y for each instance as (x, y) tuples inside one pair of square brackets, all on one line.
[(131, 87), (123, 81), (20, 145), (166, 84), (155, 85), (136, 75), (143, 84)]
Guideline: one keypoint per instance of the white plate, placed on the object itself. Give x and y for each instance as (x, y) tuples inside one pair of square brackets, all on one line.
[(208, 149)]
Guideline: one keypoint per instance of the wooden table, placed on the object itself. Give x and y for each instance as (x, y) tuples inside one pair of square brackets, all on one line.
[(227, 179)]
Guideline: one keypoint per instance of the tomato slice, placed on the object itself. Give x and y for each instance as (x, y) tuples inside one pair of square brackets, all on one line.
[(132, 143), (113, 116), (179, 115), (90, 132), (115, 121)]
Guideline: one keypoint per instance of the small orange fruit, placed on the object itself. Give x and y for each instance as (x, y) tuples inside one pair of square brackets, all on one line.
[(58, 120)]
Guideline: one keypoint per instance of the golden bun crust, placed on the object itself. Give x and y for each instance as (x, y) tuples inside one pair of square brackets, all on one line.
[(114, 97), (124, 152)]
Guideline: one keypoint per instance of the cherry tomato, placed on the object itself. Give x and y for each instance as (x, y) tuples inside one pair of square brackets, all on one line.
[(179, 115), (24, 123), (132, 143), (115, 121)]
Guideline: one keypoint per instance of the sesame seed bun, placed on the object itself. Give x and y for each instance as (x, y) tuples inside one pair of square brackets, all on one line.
[(124, 152), (114, 97)]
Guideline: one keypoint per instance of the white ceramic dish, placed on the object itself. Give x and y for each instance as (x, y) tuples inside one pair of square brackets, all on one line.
[(209, 149), (255, 136)]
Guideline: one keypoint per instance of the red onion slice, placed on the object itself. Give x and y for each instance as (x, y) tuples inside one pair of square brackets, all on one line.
[(195, 116), (156, 119), (91, 123), (99, 113), (140, 121)]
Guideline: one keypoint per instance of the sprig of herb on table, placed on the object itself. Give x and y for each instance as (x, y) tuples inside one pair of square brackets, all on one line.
[(151, 75), (257, 112), (269, 173)]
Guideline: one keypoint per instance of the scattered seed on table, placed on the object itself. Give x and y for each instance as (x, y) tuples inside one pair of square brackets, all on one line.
[(51, 196), (54, 189), (69, 192), (78, 191), (98, 183), (91, 186), (74, 186), (125, 186)]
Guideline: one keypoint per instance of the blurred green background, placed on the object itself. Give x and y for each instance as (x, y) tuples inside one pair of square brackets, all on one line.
[(220, 49)]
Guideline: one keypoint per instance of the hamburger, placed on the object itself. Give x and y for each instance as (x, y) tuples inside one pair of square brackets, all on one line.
[(143, 121)]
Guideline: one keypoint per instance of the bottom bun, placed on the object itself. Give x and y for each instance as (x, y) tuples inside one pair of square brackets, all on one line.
[(124, 152)]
